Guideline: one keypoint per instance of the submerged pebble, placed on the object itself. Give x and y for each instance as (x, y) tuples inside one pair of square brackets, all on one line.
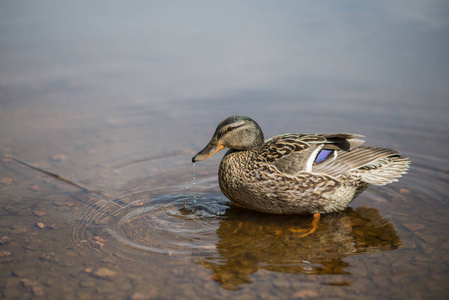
[(63, 203), (404, 191), (18, 229), (4, 253), (104, 273), (52, 227), (29, 246), (39, 213), (305, 294), (4, 240), (34, 188), (6, 180), (28, 283), (47, 256), (37, 291), (414, 226), (40, 225)]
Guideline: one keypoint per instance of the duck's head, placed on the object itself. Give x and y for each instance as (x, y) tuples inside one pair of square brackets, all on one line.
[(236, 132)]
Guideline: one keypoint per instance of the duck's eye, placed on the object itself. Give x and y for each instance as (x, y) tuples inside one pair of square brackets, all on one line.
[(229, 128)]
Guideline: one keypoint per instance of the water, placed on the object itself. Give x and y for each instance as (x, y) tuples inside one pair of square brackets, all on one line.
[(117, 98)]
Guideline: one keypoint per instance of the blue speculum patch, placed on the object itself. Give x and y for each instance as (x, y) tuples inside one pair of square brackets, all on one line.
[(323, 155)]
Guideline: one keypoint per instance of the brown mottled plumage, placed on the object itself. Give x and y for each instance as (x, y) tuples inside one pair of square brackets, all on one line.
[(297, 173)]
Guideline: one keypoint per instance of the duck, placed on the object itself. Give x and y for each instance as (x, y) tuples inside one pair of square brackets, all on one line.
[(296, 173)]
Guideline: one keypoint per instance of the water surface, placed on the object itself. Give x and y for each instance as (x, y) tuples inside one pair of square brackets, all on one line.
[(115, 99)]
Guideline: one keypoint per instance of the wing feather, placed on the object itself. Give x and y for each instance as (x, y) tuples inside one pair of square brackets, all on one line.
[(292, 153), (350, 160)]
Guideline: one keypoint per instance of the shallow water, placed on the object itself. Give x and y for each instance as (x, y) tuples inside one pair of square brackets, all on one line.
[(113, 105)]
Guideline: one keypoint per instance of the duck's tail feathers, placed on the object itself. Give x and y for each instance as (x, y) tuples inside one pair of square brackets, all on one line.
[(385, 170)]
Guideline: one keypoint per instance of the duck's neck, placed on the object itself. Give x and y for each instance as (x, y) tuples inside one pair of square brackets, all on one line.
[(256, 140)]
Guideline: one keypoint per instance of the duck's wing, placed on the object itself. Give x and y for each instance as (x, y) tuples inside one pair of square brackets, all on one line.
[(292, 153), (345, 161)]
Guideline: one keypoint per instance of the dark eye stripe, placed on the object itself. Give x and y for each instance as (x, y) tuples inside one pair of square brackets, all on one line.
[(224, 130), (230, 128)]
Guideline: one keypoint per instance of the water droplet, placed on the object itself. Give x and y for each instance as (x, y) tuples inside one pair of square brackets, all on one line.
[(193, 183)]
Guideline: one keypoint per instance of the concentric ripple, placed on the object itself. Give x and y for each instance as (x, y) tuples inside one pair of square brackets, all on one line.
[(173, 224)]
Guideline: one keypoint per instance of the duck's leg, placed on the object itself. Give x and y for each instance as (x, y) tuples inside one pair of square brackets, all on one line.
[(315, 222)]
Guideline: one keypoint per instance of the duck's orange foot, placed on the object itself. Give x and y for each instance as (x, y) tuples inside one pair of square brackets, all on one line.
[(315, 222)]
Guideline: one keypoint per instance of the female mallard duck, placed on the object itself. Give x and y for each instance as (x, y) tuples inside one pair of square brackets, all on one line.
[(297, 173)]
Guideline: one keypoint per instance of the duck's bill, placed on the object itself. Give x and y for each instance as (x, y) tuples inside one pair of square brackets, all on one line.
[(208, 151)]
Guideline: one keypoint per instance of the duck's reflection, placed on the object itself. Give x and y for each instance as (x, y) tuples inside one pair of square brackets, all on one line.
[(251, 241)]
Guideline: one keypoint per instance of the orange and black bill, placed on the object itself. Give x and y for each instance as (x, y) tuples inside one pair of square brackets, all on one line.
[(208, 151)]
